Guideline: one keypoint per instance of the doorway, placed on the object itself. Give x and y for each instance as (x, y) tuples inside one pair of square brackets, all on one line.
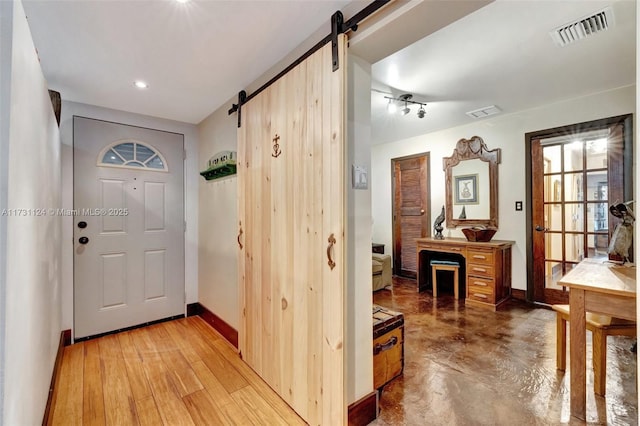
[(411, 207), (128, 226), (576, 172)]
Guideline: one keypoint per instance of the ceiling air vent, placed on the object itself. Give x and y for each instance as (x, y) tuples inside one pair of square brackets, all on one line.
[(582, 28), (484, 112)]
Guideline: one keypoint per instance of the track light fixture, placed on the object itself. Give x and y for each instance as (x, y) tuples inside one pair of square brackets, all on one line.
[(406, 98)]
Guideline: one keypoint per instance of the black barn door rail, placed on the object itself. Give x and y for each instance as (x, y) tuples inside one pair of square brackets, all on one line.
[(338, 26)]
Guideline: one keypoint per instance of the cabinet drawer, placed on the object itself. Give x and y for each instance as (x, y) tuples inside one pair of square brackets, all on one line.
[(481, 285), (480, 270), (481, 297), (480, 256)]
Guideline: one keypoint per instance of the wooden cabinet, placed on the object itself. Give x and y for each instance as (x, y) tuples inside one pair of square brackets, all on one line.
[(487, 267)]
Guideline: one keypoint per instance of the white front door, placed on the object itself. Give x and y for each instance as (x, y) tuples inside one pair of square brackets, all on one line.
[(128, 226)]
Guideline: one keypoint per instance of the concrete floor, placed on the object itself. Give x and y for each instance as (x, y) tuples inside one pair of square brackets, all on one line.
[(469, 366)]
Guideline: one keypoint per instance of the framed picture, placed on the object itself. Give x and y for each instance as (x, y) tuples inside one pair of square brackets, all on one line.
[(466, 189)]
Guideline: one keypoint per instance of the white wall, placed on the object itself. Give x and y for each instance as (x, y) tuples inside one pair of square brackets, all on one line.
[(218, 224), (190, 132), (33, 307), (506, 132), (6, 38), (359, 341)]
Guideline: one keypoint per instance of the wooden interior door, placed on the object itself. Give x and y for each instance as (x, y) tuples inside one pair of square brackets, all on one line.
[(411, 208), (291, 177), (577, 172)]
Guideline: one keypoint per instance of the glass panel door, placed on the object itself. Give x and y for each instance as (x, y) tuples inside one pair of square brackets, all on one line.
[(575, 202)]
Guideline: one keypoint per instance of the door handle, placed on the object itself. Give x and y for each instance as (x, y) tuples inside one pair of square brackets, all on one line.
[(83, 240), (332, 241), (541, 228), (421, 212), (240, 235)]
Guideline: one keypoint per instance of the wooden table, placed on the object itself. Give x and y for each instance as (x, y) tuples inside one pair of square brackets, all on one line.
[(487, 267), (599, 287)]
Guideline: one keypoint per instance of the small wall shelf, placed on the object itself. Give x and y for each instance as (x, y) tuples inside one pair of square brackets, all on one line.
[(220, 165)]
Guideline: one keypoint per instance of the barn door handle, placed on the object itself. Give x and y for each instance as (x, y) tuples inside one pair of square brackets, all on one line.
[(377, 348), (332, 241), (240, 235)]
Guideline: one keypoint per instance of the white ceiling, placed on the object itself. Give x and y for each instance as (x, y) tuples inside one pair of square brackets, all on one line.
[(196, 56), (502, 55)]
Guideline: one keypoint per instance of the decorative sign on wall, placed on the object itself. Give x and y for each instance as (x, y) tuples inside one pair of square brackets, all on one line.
[(220, 165)]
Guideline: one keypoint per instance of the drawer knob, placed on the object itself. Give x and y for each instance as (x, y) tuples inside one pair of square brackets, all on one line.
[(480, 283), (377, 348), (480, 269), (479, 256), (481, 296)]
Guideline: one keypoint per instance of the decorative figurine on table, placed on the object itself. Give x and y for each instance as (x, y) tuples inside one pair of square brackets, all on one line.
[(437, 226), (623, 235)]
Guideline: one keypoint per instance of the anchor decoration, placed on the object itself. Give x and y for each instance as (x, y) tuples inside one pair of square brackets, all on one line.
[(276, 147)]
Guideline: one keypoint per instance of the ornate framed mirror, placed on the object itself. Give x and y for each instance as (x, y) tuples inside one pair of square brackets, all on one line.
[(471, 184)]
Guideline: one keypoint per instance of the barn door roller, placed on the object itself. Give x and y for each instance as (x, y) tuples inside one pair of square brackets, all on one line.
[(338, 26)]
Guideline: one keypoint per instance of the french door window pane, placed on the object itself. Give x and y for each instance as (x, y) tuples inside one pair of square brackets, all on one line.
[(573, 156)]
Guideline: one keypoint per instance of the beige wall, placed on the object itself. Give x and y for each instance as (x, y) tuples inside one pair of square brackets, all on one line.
[(505, 132), (32, 321)]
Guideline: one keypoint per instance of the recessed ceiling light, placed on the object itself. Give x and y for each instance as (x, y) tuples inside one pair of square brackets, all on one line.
[(182, 1), (140, 84)]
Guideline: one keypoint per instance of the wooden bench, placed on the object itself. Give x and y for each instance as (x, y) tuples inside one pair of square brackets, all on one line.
[(600, 326), (445, 265)]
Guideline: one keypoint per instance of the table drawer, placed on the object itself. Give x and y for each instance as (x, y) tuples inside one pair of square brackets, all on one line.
[(480, 270), (480, 256), (441, 248), (482, 285), (481, 294)]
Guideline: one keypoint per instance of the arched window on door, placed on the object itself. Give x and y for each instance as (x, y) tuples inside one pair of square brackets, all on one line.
[(132, 155)]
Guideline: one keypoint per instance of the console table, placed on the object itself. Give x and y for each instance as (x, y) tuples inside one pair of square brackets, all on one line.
[(487, 265)]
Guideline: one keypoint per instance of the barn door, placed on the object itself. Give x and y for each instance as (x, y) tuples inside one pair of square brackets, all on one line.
[(291, 236)]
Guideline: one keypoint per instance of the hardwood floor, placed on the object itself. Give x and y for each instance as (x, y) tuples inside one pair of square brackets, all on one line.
[(180, 372), (462, 367), (469, 366)]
